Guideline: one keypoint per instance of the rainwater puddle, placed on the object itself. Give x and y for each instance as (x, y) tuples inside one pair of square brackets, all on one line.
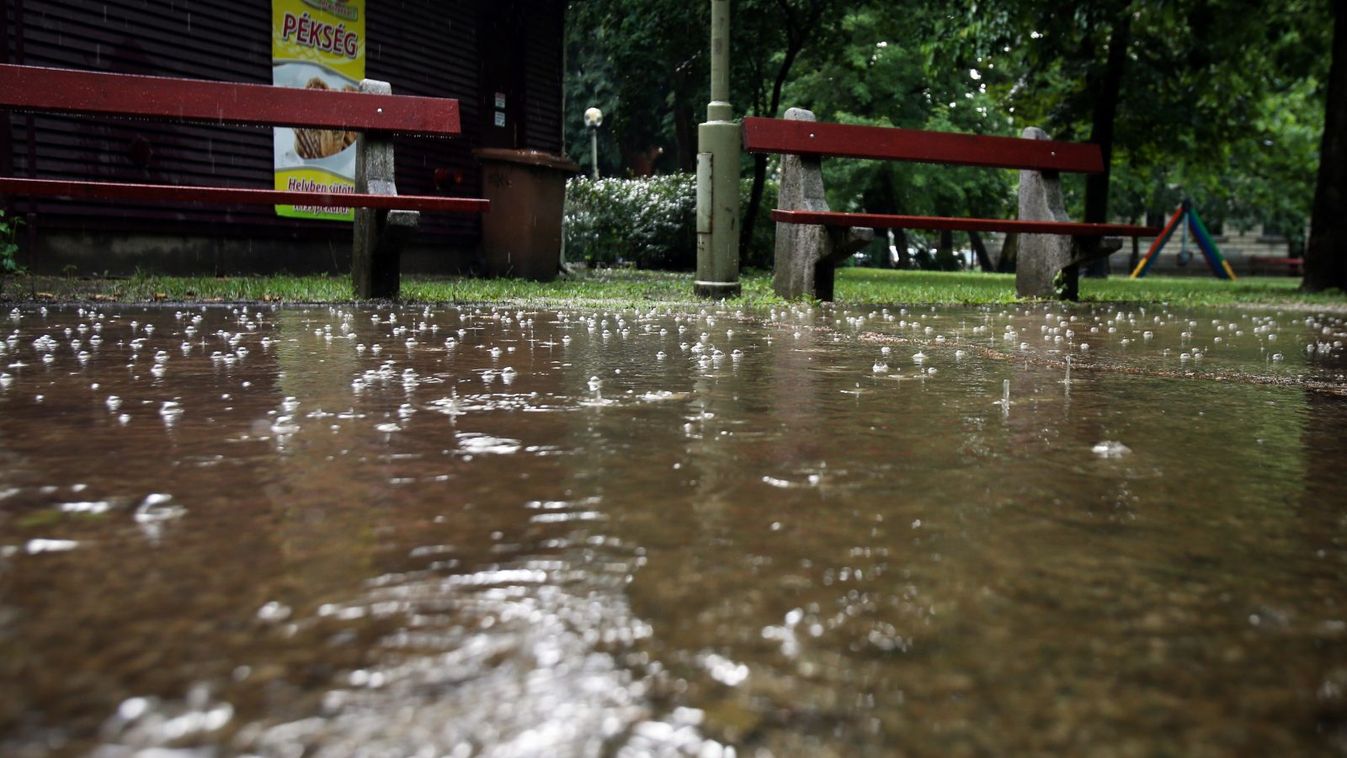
[(462, 531)]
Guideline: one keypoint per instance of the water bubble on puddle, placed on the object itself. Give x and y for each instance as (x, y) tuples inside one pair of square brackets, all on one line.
[(149, 726), (1110, 449), (478, 444), (723, 670), (388, 427), (40, 545), (658, 396), (89, 507), (170, 411), (157, 507), (273, 612), (284, 425)]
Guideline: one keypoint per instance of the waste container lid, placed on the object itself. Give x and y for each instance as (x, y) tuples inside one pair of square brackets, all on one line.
[(527, 158)]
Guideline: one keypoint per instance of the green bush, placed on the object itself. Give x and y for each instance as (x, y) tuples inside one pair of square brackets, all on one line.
[(650, 222), (9, 248)]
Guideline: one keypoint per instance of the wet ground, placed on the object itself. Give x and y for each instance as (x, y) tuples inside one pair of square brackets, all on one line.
[(471, 531)]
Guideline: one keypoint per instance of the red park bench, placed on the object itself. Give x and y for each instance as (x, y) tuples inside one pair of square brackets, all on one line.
[(384, 219), (1262, 264), (807, 253)]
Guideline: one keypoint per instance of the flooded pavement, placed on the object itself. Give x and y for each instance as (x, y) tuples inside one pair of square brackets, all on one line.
[(476, 531)]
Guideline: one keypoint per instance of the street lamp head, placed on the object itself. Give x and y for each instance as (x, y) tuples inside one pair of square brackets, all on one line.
[(593, 117)]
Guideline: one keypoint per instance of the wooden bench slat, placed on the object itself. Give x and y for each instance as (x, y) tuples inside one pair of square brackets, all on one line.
[(1261, 263), (890, 221), (167, 193), (770, 135), (49, 90)]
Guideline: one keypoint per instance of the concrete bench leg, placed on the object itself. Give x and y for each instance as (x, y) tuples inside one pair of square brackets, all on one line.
[(1043, 258), (379, 235), (807, 255), (1038, 269)]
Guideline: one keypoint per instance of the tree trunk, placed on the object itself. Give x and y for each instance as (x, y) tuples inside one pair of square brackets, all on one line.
[(1106, 86), (980, 250), (900, 242), (944, 251), (1010, 247), (685, 134), (1326, 253), (882, 196), (798, 33), (754, 203)]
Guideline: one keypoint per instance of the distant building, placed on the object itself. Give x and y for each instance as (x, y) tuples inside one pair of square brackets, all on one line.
[(502, 59)]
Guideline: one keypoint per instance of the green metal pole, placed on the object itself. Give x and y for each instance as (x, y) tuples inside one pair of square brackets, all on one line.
[(718, 146), (594, 150)]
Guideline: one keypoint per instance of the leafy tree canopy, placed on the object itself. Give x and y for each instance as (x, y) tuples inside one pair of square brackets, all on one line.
[(1218, 100)]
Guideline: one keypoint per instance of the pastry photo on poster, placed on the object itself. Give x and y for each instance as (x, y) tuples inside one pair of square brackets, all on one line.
[(316, 44)]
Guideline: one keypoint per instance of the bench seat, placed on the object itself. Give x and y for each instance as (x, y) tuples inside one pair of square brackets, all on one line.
[(1263, 263)]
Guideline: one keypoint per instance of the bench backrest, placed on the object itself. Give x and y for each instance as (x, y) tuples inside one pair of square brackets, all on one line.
[(770, 135), (48, 90)]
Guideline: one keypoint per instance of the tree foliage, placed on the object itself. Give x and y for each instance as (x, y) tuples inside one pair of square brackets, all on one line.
[(1218, 100)]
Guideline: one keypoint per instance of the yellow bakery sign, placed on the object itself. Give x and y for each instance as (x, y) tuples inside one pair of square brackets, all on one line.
[(317, 44)]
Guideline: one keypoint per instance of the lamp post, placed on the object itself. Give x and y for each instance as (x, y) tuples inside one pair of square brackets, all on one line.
[(594, 119), (718, 147)]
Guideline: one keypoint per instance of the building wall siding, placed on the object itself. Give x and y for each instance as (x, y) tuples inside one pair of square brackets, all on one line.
[(422, 47)]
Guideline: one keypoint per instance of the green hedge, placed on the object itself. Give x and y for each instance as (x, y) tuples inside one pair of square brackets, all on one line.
[(648, 222)]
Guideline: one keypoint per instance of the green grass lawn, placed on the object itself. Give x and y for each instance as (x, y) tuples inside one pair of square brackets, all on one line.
[(870, 285), (618, 288)]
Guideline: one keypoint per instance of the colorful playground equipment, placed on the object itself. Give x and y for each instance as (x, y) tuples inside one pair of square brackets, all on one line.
[(1184, 219)]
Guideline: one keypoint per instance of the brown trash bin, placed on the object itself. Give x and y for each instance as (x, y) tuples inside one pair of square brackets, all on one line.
[(521, 235)]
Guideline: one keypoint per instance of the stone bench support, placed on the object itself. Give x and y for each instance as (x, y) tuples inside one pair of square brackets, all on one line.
[(806, 254), (380, 234)]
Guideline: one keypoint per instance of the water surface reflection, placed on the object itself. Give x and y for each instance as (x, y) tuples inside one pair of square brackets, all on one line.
[(287, 531)]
